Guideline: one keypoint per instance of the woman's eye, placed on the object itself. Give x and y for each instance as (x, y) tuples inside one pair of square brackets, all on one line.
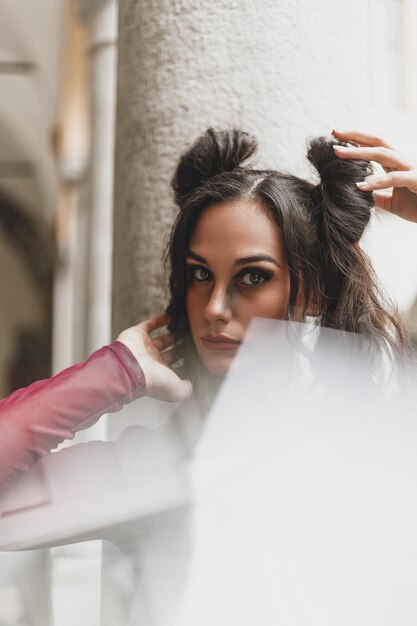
[(253, 278), (201, 273)]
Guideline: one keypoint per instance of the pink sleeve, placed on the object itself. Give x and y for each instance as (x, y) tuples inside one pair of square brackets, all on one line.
[(34, 420)]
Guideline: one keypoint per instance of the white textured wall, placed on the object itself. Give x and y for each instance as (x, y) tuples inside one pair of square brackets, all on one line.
[(282, 69)]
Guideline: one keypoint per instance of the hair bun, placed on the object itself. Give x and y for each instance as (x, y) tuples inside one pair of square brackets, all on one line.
[(345, 209), (214, 152)]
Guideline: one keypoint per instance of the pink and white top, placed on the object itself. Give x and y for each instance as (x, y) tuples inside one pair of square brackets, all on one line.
[(34, 420)]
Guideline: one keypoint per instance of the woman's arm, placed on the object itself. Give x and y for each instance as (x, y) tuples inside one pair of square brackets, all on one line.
[(396, 190), (36, 419)]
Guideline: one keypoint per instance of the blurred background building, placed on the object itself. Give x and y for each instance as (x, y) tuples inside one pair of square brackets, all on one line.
[(97, 102)]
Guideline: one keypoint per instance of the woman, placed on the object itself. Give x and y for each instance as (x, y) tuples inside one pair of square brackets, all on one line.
[(309, 232), (246, 243)]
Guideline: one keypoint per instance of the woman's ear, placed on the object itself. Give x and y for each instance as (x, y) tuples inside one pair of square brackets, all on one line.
[(304, 307), (313, 309)]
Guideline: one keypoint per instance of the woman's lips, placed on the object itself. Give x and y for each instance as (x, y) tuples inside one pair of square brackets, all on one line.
[(219, 342)]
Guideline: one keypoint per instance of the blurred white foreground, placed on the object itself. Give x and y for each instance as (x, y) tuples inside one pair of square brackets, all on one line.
[(294, 502)]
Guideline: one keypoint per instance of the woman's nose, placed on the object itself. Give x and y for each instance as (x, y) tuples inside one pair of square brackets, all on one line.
[(218, 307)]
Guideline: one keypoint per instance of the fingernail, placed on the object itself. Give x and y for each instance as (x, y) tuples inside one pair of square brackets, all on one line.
[(363, 184), (340, 148)]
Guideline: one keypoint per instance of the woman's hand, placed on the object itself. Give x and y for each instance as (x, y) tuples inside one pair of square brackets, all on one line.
[(155, 356), (396, 190)]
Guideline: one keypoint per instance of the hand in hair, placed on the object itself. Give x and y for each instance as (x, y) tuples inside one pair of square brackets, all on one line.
[(396, 190), (155, 356)]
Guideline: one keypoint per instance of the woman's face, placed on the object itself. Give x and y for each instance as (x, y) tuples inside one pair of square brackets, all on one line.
[(236, 270)]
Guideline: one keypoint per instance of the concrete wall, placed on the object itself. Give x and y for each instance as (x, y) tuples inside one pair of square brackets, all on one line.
[(282, 70)]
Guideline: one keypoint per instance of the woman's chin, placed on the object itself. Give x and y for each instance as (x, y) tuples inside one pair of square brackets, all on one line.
[(217, 364)]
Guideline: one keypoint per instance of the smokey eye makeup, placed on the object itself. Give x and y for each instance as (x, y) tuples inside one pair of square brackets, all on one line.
[(249, 276), (197, 273), (254, 277)]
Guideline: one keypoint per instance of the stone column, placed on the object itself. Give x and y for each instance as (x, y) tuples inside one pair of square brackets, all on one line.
[(282, 70)]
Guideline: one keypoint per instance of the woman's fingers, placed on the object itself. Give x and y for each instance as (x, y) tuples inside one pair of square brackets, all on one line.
[(163, 341), (168, 356), (383, 200), (361, 138), (162, 383), (155, 355), (396, 190), (385, 156), (370, 148), (392, 179)]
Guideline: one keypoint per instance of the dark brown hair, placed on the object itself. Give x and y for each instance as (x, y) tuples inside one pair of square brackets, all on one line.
[(321, 226)]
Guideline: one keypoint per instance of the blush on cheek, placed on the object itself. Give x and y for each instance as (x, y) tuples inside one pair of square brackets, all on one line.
[(189, 306), (195, 312), (271, 303)]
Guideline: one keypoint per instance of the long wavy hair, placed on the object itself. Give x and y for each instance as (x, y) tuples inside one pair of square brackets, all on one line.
[(321, 226)]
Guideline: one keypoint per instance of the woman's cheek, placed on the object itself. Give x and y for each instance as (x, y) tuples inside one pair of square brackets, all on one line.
[(194, 305), (269, 301)]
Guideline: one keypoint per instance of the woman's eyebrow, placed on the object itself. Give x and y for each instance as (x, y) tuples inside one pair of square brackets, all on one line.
[(243, 261), (195, 257), (255, 259)]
